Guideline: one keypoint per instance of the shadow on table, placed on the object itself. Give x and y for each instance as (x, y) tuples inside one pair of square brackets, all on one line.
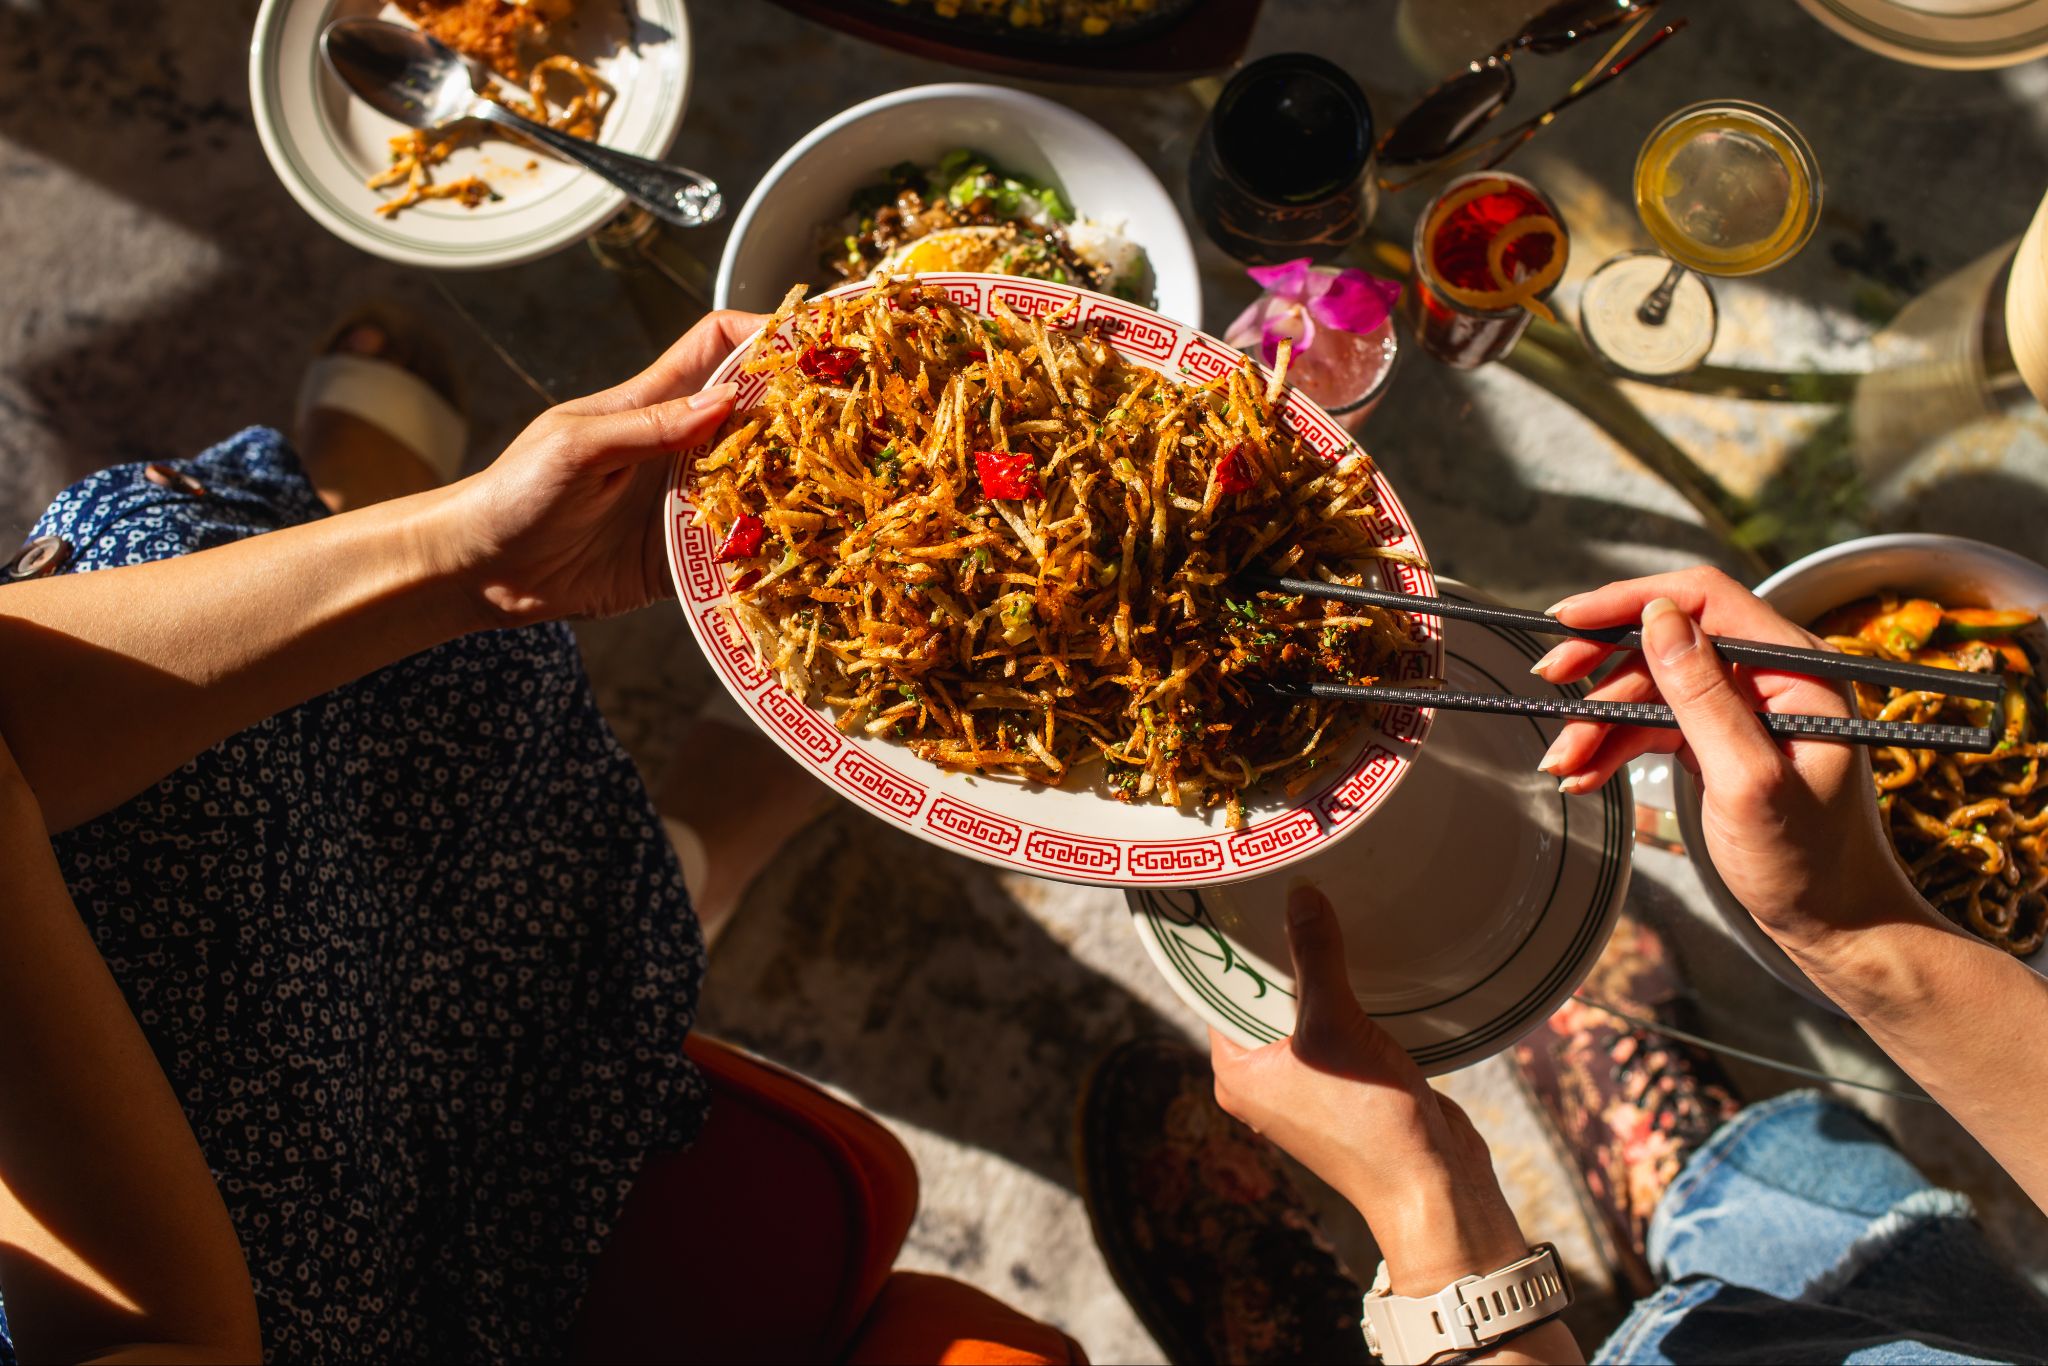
[(912, 979), (1986, 480), (179, 208), (1988, 505), (1483, 514)]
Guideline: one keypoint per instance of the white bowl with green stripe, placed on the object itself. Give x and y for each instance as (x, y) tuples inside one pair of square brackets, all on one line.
[(324, 143), (1473, 902)]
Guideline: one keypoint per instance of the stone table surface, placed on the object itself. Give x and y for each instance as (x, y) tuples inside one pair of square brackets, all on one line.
[(1515, 492), (162, 290)]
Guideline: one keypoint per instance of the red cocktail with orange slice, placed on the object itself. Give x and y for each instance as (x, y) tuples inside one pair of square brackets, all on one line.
[(1488, 251)]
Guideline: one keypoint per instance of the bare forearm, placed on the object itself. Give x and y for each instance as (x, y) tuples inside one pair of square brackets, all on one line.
[(1964, 1020), (1550, 1342), (1443, 1234), (115, 678), (112, 1233)]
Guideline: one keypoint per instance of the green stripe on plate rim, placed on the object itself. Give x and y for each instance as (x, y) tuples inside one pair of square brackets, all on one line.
[(1518, 1017), (1564, 810), (1178, 951), (1522, 1016), (367, 218)]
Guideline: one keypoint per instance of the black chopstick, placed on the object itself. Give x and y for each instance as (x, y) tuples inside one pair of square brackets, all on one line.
[(1756, 654), (1840, 729)]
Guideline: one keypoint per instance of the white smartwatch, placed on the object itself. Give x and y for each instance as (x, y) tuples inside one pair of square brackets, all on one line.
[(1467, 1314)]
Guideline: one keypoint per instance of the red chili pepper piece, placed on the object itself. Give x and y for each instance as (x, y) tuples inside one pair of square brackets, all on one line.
[(1006, 474), (834, 363), (977, 354), (1233, 471), (743, 540)]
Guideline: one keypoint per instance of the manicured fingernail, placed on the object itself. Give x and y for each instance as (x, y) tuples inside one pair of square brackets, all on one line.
[(716, 394), (1572, 786), (1549, 758), (1667, 632), (1304, 906), (1561, 604), (1541, 666)]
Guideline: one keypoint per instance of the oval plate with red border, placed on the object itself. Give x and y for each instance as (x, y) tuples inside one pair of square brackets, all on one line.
[(1077, 834)]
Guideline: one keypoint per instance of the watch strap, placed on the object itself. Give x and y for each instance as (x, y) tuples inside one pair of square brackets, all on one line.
[(1467, 1314)]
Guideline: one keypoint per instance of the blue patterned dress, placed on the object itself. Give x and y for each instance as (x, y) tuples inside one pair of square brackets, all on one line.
[(415, 956)]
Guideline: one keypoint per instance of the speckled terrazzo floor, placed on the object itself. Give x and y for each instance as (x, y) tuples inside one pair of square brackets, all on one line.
[(158, 289)]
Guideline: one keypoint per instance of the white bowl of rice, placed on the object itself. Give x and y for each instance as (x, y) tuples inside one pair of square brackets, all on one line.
[(1068, 201)]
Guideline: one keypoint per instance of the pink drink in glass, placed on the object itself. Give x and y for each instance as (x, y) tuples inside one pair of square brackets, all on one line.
[(1344, 371), (1347, 372)]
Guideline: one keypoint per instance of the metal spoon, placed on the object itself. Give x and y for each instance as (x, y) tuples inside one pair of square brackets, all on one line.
[(411, 77)]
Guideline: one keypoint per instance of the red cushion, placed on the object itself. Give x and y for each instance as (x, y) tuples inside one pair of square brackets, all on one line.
[(767, 1241)]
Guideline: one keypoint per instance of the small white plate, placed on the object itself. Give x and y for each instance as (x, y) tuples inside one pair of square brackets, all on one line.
[(1473, 903), (324, 143), (778, 234), (1955, 35)]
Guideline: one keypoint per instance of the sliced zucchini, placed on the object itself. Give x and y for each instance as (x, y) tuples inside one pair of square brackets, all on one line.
[(1983, 623)]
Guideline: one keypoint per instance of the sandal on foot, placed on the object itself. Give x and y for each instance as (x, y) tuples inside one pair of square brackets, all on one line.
[(1203, 1228), (1625, 1106), (400, 385)]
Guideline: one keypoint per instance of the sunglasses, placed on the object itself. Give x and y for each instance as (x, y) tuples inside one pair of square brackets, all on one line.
[(1445, 119)]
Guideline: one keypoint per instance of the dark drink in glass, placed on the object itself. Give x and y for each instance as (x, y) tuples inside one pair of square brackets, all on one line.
[(1486, 249), (1284, 166)]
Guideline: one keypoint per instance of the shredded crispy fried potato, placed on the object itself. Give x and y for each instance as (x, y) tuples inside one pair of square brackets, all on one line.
[(1006, 545)]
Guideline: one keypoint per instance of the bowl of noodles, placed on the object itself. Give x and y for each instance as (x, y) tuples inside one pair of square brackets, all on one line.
[(967, 550), (1970, 830)]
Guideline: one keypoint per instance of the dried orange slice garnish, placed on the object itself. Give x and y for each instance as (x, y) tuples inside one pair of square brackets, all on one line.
[(1525, 290), (1510, 293), (1451, 203)]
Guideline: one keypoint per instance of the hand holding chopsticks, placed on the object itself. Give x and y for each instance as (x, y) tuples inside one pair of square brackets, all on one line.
[(1789, 659)]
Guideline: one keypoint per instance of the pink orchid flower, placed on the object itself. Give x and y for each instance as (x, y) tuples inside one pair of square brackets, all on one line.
[(1301, 296)]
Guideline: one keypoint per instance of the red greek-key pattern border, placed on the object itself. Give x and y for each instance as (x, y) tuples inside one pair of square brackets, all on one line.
[(1360, 792), (882, 788), (1030, 299), (1171, 862), (803, 731), (970, 825), (876, 780), (1134, 331), (723, 640), (1276, 841), (1072, 852), (1202, 359)]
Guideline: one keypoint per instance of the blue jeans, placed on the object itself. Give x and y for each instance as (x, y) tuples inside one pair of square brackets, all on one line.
[(1798, 1233)]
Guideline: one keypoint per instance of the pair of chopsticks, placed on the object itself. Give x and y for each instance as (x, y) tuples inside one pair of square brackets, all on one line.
[(1752, 653)]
